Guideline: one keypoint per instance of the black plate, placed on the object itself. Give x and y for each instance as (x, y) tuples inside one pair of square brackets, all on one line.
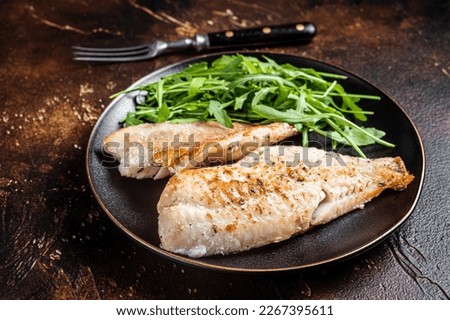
[(131, 204)]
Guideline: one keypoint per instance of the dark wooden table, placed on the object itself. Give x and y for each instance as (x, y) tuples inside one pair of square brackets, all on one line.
[(55, 241)]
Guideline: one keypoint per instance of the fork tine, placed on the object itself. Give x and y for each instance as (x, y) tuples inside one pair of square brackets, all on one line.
[(111, 53), (122, 49), (112, 59), (123, 54)]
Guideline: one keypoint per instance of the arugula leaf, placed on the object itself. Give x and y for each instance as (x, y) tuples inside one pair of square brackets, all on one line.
[(163, 113), (240, 101), (195, 85), (220, 114), (132, 120), (358, 137)]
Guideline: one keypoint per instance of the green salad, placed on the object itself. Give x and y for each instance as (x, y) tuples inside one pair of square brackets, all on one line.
[(239, 88)]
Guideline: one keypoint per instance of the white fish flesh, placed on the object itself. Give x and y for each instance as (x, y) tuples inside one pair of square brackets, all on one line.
[(268, 196)]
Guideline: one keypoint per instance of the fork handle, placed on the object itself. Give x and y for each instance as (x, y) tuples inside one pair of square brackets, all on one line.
[(286, 33)]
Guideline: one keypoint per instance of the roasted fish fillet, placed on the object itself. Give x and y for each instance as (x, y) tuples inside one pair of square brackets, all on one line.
[(230, 147), (159, 149), (268, 196), (135, 146)]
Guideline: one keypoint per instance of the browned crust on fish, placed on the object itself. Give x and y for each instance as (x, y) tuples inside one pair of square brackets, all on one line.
[(232, 146)]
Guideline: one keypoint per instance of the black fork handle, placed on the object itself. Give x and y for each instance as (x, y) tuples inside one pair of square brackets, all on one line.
[(286, 33)]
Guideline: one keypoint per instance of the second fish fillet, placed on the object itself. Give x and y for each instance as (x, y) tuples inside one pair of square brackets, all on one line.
[(268, 196)]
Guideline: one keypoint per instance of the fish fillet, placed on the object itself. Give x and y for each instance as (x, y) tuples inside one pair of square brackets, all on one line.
[(159, 149), (229, 148), (135, 146), (268, 196)]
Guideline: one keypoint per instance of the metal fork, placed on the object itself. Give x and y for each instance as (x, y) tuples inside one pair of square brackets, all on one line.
[(287, 33)]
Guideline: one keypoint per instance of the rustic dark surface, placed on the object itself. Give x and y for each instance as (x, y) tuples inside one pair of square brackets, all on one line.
[(55, 242)]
